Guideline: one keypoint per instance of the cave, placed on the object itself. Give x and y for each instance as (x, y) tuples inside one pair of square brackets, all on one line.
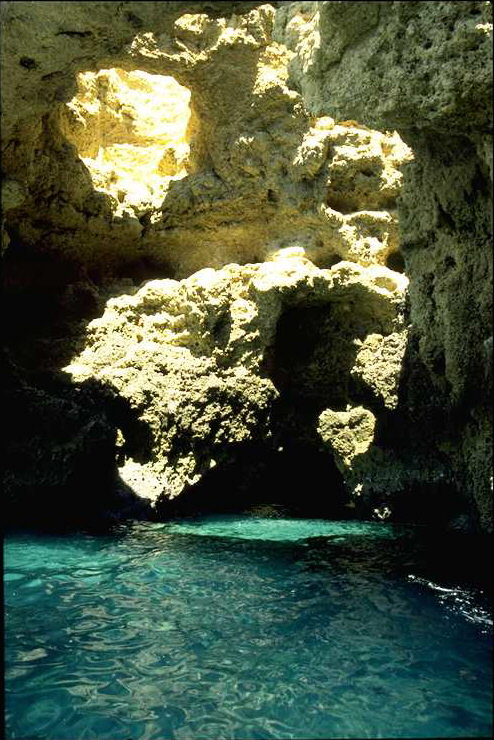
[(295, 479), (395, 261), (312, 356), (247, 401), (139, 166)]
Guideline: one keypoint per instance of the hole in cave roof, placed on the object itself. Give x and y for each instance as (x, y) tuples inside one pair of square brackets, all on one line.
[(131, 131)]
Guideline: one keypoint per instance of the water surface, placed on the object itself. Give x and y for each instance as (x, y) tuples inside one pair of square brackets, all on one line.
[(243, 627)]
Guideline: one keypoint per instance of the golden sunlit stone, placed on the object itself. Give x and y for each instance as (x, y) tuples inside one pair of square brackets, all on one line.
[(191, 357), (130, 129)]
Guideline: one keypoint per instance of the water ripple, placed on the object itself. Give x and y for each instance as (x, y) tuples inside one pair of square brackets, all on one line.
[(228, 628)]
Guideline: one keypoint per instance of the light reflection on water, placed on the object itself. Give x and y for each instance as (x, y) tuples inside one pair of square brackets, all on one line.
[(238, 627)]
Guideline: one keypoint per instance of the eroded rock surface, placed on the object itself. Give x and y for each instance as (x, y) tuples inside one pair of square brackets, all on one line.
[(260, 171), (130, 129), (321, 344), (191, 358), (426, 70)]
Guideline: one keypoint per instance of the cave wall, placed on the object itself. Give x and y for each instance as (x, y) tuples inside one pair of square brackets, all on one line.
[(263, 172), (260, 165), (425, 69), (277, 160)]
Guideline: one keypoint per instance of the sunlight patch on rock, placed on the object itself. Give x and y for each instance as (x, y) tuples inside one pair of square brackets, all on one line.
[(130, 129)]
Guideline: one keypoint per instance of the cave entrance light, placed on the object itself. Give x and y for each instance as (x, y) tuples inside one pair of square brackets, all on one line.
[(131, 131)]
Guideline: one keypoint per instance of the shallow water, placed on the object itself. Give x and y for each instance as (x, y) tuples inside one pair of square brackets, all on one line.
[(237, 627)]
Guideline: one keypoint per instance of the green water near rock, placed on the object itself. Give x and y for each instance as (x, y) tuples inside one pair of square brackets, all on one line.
[(245, 627), (277, 529)]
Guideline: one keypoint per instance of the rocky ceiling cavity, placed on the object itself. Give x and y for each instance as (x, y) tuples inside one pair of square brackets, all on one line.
[(130, 130)]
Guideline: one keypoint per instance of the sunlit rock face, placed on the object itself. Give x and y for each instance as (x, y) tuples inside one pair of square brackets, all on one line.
[(153, 141), (130, 130), (199, 360), (189, 150)]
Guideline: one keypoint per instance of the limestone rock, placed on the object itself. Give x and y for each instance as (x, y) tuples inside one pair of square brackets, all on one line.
[(348, 433), (424, 69), (276, 155), (129, 129), (60, 451), (238, 170), (393, 65), (378, 364), (189, 357), (382, 481)]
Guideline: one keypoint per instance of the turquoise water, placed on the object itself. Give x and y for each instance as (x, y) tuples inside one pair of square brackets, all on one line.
[(237, 627)]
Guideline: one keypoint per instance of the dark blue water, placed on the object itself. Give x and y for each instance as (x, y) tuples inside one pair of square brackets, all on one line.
[(235, 627)]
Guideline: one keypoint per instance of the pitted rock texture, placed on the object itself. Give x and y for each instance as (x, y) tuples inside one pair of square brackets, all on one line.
[(279, 156), (59, 469), (261, 171), (424, 69), (350, 433), (130, 130), (422, 65), (189, 357), (387, 480)]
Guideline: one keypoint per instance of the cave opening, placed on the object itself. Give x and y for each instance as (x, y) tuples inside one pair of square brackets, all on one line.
[(132, 131), (311, 359), (293, 479), (292, 472), (299, 366), (396, 261)]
